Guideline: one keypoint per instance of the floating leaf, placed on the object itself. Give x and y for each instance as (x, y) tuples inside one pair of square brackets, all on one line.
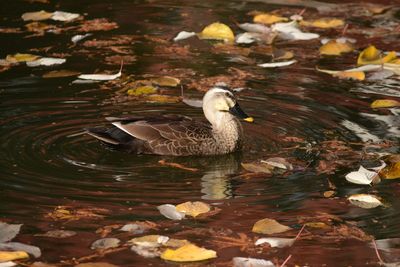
[(163, 99), (257, 167), (193, 208), (277, 64), (36, 16), (184, 35), (276, 242), (316, 225), (265, 18), (46, 61), (80, 37), (362, 176), (170, 212), (217, 31), (133, 228), (64, 16), (269, 226), (254, 27), (290, 31), (334, 48), (188, 253), (323, 23), (149, 240), (101, 77), (354, 75), (282, 54), (8, 264), (280, 163), (329, 193), (247, 38), (142, 90), (60, 74), (95, 264), (21, 58), (12, 255), (197, 103), (371, 55), (251, 262), (105, 243), (365, 201), (8, 231), (391, 171), (16, 246), (58, 234), (385, 103), (166, 81)]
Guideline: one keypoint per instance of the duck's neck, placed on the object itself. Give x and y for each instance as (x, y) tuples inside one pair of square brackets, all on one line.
[(228, 131)]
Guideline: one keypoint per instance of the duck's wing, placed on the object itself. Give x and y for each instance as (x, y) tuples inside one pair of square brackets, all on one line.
[(168, 135)]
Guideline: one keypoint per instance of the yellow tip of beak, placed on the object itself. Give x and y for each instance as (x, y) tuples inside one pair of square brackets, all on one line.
[(249, 119)]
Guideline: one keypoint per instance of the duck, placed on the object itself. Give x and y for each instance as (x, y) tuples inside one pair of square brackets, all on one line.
[(179, 135)]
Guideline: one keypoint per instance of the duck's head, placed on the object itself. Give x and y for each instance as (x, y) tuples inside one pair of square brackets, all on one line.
[(219, 102)]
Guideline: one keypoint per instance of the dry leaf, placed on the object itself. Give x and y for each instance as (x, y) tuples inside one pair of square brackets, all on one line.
[(142, 90), (149, 240), (64, 16), (12, 255), (391, 171), (21, 58), (166, 81), (184, 35), (276, 242), (385, 103), (251, 262), (317, 225), (258, 167), (323, 23), (193, 208), (45, 61), (335, 48), (16, 246), (217, 31), (277, 64), (8, 231), (163, 99), (188, 253), (171, 212), (290, 31), (101, 77), (365, 201), (58, 234), (362, 176), (269, 226), (371, 55), (105, 243), (60, 74), (354, 75), (265, 18), (36, 16)]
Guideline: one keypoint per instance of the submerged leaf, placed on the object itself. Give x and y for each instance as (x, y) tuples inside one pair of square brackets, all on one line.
[(8, 231), (170, 212), (217, 31), (258, 167), (269, 226), (266, 18), (251, 262), (323, 23), (12, 255), (193, 208), (142, 90), (385, 103), (335, 48), (188, 253), (95, 264), (391, 171), (149, 240), (365, 201), (58, 234), (163, 98)]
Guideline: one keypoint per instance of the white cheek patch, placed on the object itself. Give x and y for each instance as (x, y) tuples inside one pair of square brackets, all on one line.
[(222, 105)]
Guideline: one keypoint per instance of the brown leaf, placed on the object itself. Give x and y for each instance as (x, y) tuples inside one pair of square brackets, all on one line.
[(97, 25), (269, 226)]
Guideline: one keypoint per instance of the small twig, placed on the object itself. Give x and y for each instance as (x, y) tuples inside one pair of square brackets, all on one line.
[(287, 259), (345, 29), (177, 165), (299, 233), (377, 252), (302, 11)]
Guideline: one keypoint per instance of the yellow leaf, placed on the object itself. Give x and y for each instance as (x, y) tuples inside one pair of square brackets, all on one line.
[(217, 31), (12, 255), (142, 90), (355, 75), (38, 15), (193, 208), (392, 171), (266, 18), (21, 58), (166, 81), (371, 55), (163, 99), (335, 48), (323, 23), (269, 226), (188, 253), (317, 225), (385, 103)]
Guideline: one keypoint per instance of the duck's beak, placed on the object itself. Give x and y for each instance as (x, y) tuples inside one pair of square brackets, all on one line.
[(238, 112)]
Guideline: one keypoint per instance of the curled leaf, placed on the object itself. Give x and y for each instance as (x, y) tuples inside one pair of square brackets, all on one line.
[(277, 64), (269, 226), (188, 253), (362, 176), (193, 208), (371, 55), (171, 212), (184, 35), (266, 18), (166, 81), (385, 103), (365, 201), (217, 31)]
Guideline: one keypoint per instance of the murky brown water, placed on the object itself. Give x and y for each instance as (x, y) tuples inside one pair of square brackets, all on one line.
[(43, 167)]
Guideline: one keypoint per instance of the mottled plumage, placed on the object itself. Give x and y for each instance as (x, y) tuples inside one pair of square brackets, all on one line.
[(180, 135)]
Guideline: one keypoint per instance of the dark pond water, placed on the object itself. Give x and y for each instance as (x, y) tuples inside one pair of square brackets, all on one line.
[(44, 165)]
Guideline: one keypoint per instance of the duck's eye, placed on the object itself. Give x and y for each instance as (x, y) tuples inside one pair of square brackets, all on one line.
[(227, 94)]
